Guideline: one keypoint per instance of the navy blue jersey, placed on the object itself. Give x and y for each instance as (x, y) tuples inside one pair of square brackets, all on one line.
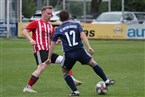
[(69, 33)]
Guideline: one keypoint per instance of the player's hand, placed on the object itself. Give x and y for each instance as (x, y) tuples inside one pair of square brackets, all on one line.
[(32, 42), (48, 61), (58, 42), (91, 51)]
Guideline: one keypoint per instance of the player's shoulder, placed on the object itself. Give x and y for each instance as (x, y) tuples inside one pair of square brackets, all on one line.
[(34, 21), (74, 22)]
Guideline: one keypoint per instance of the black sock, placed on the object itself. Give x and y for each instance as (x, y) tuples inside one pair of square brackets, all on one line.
[(70, 82), (100, 72)]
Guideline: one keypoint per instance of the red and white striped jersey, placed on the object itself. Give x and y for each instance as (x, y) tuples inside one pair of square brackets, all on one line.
[(42, 33)]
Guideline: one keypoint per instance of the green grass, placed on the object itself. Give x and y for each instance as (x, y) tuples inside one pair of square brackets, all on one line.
[(123, 61)]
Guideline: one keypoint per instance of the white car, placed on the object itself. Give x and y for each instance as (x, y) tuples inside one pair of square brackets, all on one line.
[(144, 22), (116, 17), (24, 19), (89, 19), (36, 16), (55, 17), (140, 16)]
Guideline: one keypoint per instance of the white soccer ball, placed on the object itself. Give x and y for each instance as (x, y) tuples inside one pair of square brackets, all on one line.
[(101, 88)]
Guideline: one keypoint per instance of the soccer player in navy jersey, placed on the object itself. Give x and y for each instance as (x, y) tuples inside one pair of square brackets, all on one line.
[(42, 32), (71, 35)]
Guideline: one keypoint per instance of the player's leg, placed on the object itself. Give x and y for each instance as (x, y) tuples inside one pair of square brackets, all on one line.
[(99, 71), (68, 78), (40, 57), (77, 82), (87, 59), (59, 59)]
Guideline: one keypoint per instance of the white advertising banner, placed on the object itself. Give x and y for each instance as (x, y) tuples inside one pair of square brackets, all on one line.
[(136, 31)]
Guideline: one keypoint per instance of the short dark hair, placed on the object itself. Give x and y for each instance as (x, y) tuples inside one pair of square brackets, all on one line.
[(64, 15)]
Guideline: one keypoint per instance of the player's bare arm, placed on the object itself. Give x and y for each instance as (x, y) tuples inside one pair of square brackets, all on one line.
[(27, 35), (48, 61), (85, 39)]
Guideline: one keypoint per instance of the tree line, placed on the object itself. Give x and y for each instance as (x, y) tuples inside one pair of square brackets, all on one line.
[(93, 8)]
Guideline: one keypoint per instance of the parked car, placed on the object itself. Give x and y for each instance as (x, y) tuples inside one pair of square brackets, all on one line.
[(24, 19), (116, 17), (140, 16), (54, 18), (144, 22), (36, 16), (89, 19)]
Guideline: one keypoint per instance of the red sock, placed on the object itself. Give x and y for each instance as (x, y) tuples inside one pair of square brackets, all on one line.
[(70, 73), (32, 80)]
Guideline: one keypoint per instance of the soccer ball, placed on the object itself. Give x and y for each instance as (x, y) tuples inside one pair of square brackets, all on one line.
[(101, 88)]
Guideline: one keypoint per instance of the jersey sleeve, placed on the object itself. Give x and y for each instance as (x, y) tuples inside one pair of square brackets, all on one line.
[(55, 36), (32, 26), (80, 28), (52, 31)]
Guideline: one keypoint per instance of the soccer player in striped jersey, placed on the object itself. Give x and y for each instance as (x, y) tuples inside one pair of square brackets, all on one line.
[(71, 35), (42, 32)]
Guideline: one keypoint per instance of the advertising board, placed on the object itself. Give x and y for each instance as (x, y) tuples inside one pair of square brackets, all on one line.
[(3, 29), (105, 31), (135, 31)]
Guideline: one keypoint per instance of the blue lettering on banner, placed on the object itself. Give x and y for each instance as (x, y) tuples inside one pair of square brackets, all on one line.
[(136, 33)]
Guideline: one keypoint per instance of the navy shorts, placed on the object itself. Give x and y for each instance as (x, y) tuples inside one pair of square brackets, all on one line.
[(71, 57), (42, 55)]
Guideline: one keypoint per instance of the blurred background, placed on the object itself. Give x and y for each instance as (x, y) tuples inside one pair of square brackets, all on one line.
[(83, 11), (23, 10)]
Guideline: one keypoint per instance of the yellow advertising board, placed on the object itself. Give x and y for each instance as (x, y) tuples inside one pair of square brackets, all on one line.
[(94, 31), (105, 31), (21, 26)]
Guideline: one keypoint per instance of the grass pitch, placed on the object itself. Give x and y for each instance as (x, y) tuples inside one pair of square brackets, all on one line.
[(122, 61)]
